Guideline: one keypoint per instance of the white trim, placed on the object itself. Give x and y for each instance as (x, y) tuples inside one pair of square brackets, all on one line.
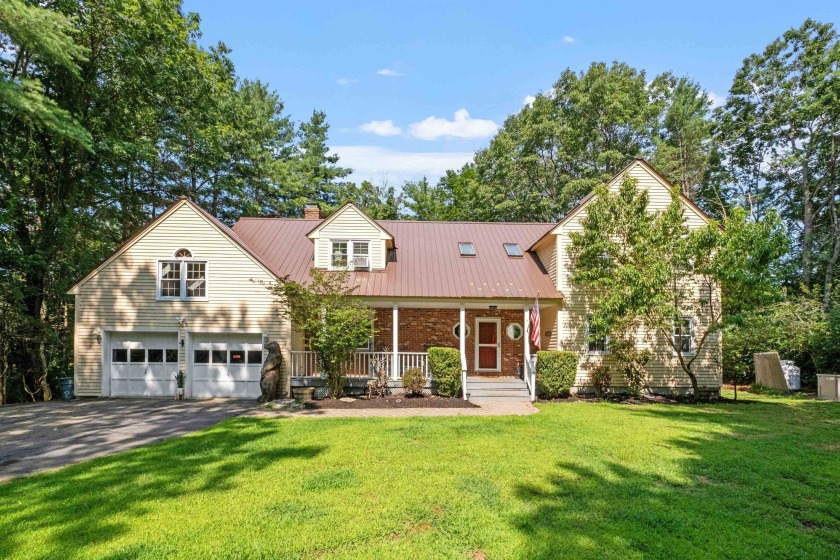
[(620, 176), (605, 352), (691, 331), (526, 335), (229, 235), (188, 389), (183, 280), (462, 342), (395, 340), (316, 232), (350, 253), (498, 322), (105, 387), (189, 342), (105, 363), (457, 335)]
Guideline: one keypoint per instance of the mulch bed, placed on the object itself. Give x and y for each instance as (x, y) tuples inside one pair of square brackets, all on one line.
[(392, 401), (625, 399)]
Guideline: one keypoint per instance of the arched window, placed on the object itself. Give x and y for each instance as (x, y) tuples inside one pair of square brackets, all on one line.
[(184, 278)]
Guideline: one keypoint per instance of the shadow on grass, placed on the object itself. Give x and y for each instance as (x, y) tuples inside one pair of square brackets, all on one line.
[(86, 503), (749, 482)]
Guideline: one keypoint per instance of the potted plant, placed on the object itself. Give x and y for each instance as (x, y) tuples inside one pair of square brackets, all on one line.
[(180, 380)]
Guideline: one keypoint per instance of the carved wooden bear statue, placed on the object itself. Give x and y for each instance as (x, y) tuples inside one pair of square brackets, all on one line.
[(270, 376)]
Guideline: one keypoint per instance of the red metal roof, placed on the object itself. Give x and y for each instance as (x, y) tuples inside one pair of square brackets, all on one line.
[(428, 263)]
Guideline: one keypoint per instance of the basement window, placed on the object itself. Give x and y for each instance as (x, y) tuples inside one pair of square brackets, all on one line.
[(467, 248), (513, 250)]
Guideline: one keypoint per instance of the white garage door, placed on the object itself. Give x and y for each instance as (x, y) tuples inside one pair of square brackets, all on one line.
[(226, 365), (143, 364)]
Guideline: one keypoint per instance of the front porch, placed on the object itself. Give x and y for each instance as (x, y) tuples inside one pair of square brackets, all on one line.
[(494, 344)]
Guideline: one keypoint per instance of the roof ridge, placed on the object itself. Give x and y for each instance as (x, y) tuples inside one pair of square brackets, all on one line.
[(468, 222)]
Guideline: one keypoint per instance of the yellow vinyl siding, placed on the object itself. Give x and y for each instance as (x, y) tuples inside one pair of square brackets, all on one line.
[(664, 370), (350, 224), (122, 296)]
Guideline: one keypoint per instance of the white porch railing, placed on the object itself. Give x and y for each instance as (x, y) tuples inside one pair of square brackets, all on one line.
[(414, 360), (530, 376), (304, 363)]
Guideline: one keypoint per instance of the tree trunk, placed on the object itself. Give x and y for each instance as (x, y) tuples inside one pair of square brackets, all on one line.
[(43, 381), (807, 227), (835, 229)]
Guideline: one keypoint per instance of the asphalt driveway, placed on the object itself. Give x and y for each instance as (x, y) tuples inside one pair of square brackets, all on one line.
[(42, 436)]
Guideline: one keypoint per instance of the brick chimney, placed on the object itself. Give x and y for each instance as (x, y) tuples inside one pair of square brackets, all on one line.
[(311, 211)]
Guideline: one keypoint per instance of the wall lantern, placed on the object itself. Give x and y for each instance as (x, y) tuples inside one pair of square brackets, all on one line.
[(98, 334), (182, 343), (494, 307)]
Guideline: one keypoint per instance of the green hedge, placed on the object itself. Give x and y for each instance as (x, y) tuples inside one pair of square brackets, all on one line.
[(555, 373), (445, 365)]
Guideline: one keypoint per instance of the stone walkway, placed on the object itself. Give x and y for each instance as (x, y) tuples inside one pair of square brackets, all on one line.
[(484, 409)]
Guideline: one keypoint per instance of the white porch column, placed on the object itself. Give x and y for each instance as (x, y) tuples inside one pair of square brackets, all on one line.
[(526, 328), (463, 337), (395, 335)]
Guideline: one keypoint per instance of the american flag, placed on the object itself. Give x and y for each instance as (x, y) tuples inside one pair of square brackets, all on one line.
[(535, 323)]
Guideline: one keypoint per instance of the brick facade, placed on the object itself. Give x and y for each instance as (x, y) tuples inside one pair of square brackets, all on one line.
[(420, 329)]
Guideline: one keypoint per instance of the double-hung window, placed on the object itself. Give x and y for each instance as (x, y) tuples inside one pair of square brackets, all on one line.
[(349, 254), (683, 335), (182, 280), (597, 343)]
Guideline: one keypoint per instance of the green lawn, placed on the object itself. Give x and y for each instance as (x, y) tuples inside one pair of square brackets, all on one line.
[(756, 480)]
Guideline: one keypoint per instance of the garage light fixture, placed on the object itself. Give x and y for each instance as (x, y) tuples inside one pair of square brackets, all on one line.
[(181, 320), (98, 334)]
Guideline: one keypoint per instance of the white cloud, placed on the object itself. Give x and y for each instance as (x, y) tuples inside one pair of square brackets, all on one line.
[(381, 128), (346, 81), (378, 164), (390, 72), (529, 100), (464, 126), (568, 39), (717, 100)]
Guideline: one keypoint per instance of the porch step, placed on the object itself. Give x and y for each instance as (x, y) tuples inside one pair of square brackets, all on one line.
[(489, 389)]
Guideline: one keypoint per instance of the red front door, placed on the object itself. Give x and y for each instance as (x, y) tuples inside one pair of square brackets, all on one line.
[(488, 345)]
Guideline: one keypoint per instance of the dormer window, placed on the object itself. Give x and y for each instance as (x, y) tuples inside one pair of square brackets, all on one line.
[(349, 254), (467, 248), (513, 250)]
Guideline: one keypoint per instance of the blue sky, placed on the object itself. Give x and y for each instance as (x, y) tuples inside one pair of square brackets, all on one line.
[(414, 88)]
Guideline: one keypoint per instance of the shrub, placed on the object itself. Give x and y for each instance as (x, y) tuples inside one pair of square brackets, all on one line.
[(601, 379), (445, 366), (632, 362), (555, 373), (413, 381)]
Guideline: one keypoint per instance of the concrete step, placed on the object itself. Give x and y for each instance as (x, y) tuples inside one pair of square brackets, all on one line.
[(496, 392), (497, 389), (496, 386), (500, 398), (486, 383)]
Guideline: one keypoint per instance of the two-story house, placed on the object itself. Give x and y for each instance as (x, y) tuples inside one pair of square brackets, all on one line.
[(188, 293)]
